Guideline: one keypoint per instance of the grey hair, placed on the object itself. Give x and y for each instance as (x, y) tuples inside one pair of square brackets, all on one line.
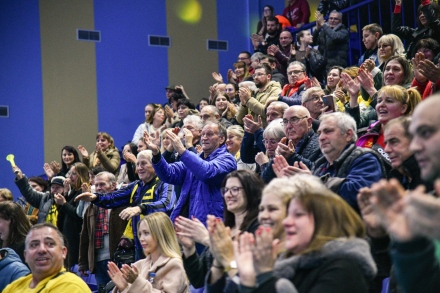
[(248, 84), (110, 177), (310, 92), (148, 154), (275, 129), (236, 130), (194, 120), (343, 121), (257, 56), (337, 12), (213, 109), (303, 66), (279, 105)]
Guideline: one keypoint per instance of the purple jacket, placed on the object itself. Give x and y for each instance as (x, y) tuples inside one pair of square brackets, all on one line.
[(200, 179)]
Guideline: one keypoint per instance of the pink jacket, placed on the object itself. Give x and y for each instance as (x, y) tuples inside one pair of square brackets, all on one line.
[(170, 276)]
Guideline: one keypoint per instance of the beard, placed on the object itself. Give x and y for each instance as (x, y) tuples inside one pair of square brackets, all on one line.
[(260, 84)]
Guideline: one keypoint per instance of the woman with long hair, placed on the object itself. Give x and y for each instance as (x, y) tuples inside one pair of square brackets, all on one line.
[(127, 171), (105, 154), (69, 156), (14, 226), (154, 120), (162, 269), (241, 190), (69, 219), (226, 108), (325, 249)]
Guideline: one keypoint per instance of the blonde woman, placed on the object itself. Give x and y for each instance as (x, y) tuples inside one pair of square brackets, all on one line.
[(233, 143), (162, 269)]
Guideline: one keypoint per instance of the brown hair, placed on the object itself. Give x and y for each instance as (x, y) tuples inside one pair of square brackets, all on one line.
[(19, 225)]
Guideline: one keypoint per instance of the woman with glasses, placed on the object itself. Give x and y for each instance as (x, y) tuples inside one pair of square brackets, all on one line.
[(241, 191)]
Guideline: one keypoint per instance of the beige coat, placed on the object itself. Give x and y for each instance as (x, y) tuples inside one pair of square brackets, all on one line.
[(109, 159), (170, 276)]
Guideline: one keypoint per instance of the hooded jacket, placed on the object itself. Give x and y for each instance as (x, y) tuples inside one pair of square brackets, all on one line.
[(11, 267)]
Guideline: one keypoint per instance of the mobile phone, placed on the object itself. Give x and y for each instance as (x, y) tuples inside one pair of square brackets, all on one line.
[(329, 101), (176, 130)]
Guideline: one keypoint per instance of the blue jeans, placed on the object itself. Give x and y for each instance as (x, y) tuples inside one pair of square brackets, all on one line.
[(101, 275)]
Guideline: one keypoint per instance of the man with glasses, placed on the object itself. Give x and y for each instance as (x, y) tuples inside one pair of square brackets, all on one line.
[(255, 104), (332, 39), (293, 91), (344, 168), (300, 143), (245, 57)]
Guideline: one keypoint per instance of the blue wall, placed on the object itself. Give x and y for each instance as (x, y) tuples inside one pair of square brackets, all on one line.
[(21, 89), (130, 74)]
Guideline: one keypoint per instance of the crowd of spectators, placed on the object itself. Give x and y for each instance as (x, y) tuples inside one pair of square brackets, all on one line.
[(299, 173)]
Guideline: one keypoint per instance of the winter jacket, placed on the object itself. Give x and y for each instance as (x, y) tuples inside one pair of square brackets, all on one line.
[(170, 276), (332, 44), (41, 200), (306, 151), (256, 105), (109, 159), (11, 267), (200, 178), (341, 265), (353, 169), (416, 267)]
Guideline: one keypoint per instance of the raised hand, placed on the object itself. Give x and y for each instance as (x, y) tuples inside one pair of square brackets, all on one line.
[(220, 241), (59, 199), (285, 150), (188, 137), (370, 218), (261, 159), (418, 57), (193, 229), (83, 151), (129, 157), (266, 250), (169, 112), (130, 273), (55, 166), (388, 204), (117, 276), (430, 70), (292, 50), (17, 172), (279, 164), (244, 94), (85, 187), (217, 77), (243, 247), (175, 141), (48, 170), (150, 144), (250, 126)]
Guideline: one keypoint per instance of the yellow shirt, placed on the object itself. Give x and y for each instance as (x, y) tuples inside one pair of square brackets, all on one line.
[(66, 282)]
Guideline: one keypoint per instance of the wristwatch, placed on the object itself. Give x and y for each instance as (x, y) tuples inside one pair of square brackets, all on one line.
[(232, 266)]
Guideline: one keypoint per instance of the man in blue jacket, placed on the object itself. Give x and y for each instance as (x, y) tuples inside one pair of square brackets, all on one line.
[(200, 175)]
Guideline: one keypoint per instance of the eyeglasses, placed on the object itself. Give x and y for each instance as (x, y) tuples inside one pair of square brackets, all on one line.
[(293, 120), (258, 74), (242, 58), (234, 190), (294, 72), (270, 141), (333, 18), (314, 98)]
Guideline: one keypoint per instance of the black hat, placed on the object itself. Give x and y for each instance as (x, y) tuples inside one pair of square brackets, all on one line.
[(171, 87), (57, 180)]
